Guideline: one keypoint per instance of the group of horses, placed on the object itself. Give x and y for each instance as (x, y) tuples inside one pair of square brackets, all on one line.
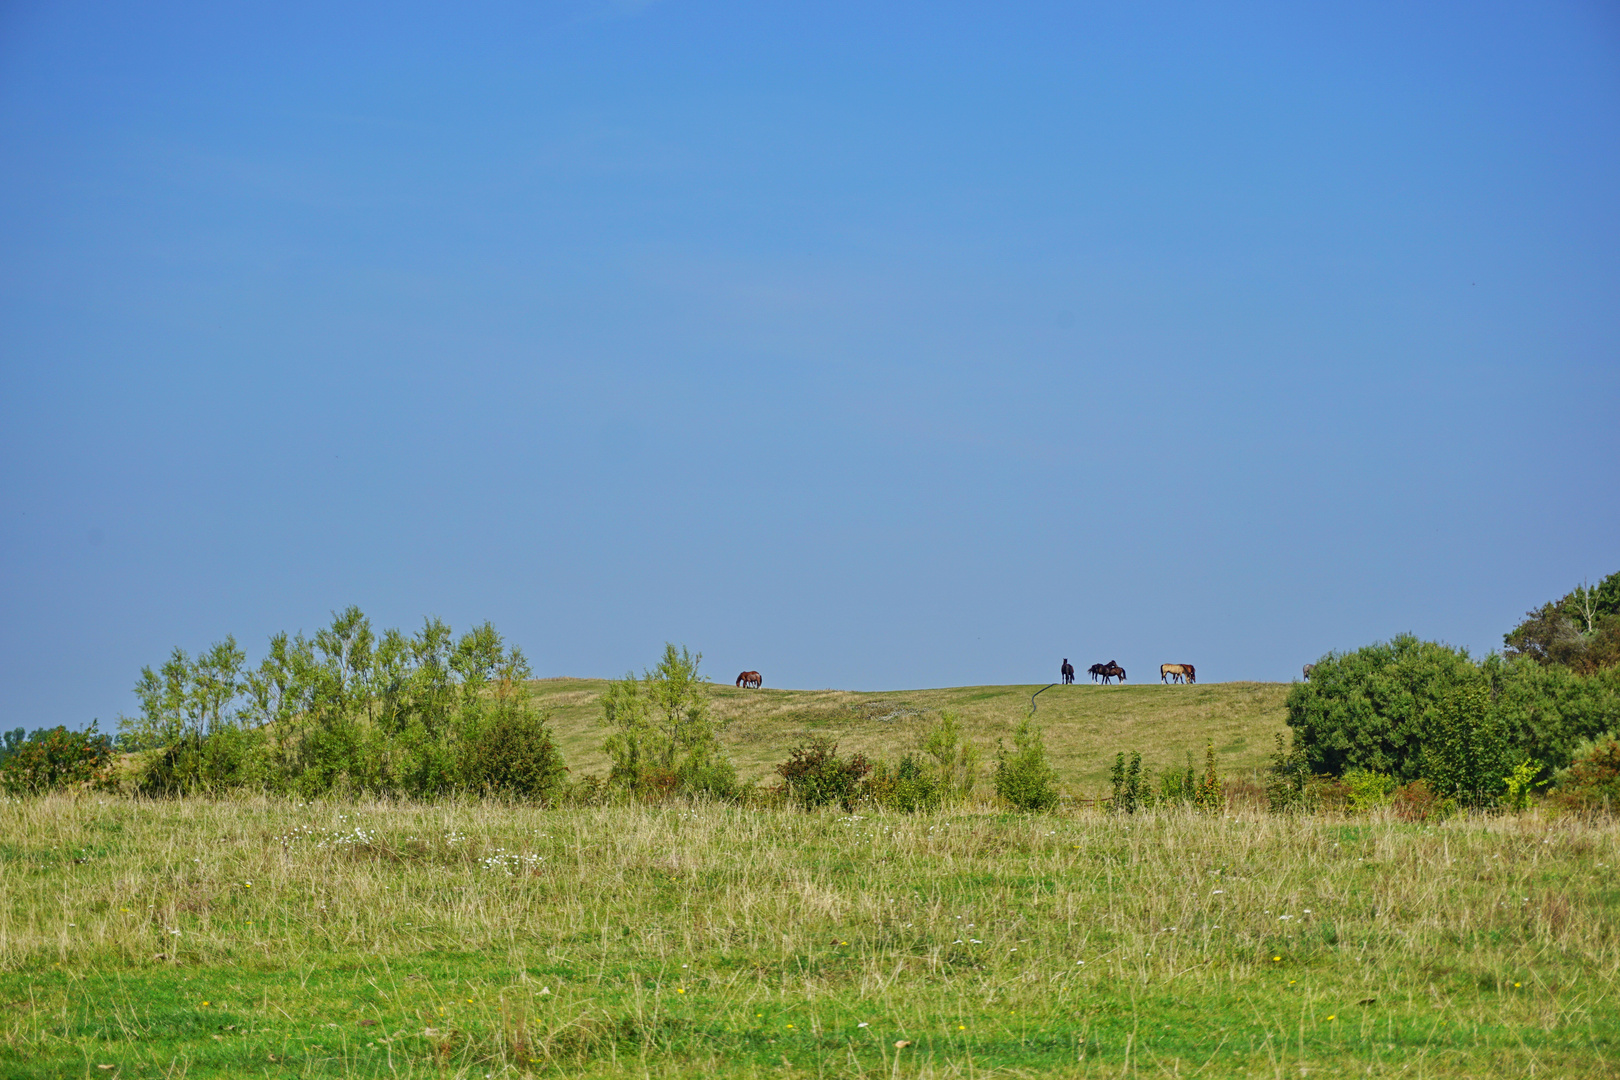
[(1104, 672), (750, 679), (1098, 672)]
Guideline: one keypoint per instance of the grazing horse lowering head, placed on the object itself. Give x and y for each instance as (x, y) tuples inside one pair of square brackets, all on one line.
[(1115, 670), (750, 678)]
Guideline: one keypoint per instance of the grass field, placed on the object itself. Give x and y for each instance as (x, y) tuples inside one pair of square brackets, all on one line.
[(261, 937), (1085, 725)]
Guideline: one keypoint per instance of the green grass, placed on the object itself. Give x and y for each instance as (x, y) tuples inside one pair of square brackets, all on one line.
[(1085, 725), (267, 938)]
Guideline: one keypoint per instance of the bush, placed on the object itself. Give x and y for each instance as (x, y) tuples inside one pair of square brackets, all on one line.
[(51, 759), (513, 755), (1126, 779), (1591, 784), (1418, 801), (814, 775), (1410, 709), (955, 759), (226, 760), (1175, 785), (908, 787), (1024, 778), (1365, 790), (1209, 796)]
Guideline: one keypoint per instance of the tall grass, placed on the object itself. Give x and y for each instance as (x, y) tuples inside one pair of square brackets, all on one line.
[(476, 939)]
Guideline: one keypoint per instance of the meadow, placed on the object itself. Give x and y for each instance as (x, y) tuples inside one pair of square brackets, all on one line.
[(266, 937), (1084, 725)]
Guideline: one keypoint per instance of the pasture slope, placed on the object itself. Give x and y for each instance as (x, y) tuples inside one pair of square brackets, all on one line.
[(1085, 725)]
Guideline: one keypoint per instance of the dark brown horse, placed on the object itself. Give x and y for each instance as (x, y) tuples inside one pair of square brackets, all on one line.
[(750, 679), (1107, 671), (1068, 672)]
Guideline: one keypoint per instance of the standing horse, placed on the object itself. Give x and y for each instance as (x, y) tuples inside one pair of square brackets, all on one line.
[(1308, 669), (1067, 672), (1096, 671), (1113, 670), (1172, 672), (750, 679)]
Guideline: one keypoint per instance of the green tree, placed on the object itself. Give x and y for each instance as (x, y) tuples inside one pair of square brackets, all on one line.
[(663, 722), (954, 757), (1581, 630)]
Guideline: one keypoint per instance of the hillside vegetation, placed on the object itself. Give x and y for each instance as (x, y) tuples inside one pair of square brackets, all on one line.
[(1084, 725)]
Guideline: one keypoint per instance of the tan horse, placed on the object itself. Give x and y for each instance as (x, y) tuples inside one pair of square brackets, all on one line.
[(750, 679), (1173, 672)]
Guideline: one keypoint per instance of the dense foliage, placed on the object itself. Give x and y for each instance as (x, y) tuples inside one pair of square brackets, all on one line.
[(1023, 776), (665, 739), (347, 711), (51, 759), (814, 775), (1413, 709), (1580, 631)]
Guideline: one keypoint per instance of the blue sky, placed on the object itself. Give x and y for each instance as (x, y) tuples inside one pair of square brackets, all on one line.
[(869, 346)]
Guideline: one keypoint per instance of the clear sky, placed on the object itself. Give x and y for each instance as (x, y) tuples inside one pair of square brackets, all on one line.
[(866, 345)]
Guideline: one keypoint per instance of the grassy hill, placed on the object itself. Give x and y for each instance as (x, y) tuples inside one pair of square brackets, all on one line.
[(1085, 724)]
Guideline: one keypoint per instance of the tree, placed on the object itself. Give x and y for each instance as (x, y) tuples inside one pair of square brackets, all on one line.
[(663, 723), (1581, 630)]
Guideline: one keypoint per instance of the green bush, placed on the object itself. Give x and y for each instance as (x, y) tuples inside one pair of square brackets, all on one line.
[(1418, 801), (909, 787), (513, 755), (229, 759), (1591, 783), (1126, 778), (662, 724), (1023, 777), (52, 759), (955, 759), (1412, 709), (1176, 785), (1210, 795), (814, 775), (1367, 790)]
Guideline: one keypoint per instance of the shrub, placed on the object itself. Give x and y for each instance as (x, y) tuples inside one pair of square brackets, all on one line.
[(908, 787), (1288, 778), (1592, 781), (814, 775), (227, 759), (1126, 779), (955, 758), (1024, 778), (1522, 783), (1176, 785), (513, 755), (1417, 801), (51, 759), (1366, 790), (1208, 796)]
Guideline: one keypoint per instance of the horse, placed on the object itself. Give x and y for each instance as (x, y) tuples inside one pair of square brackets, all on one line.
[(1114, 670), (1192, 675), (1308, 669), (750, 679), (1168, 672), (1067, 671), (1096, 671)]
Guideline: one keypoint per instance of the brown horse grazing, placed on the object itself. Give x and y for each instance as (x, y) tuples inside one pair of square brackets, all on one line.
[(1308, 669), (1175, 672), (1192, 675), (750, 679), (1067, 671)]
